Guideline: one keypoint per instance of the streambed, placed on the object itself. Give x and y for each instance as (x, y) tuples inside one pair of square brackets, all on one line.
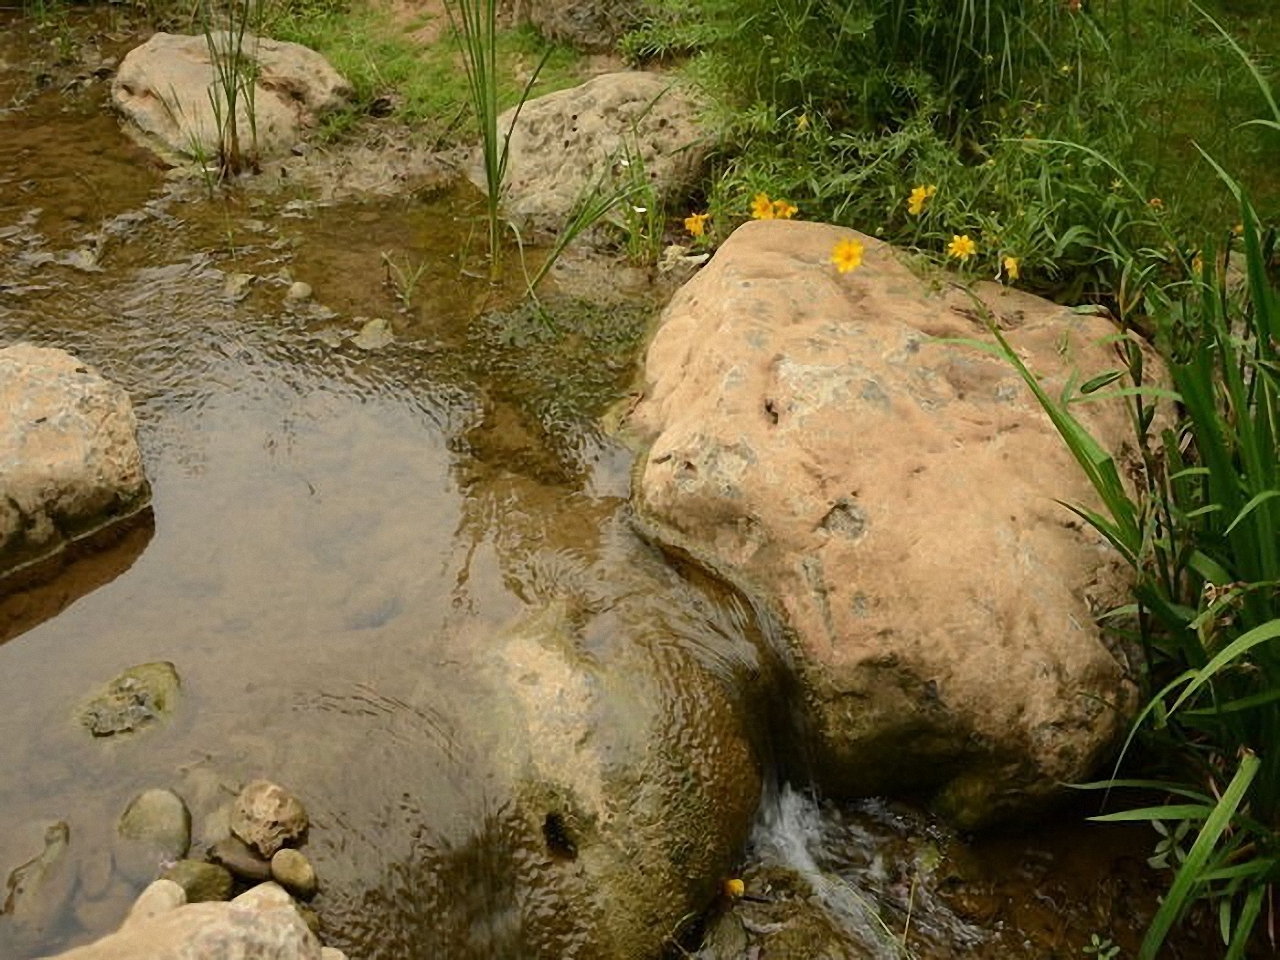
[(346, 527)]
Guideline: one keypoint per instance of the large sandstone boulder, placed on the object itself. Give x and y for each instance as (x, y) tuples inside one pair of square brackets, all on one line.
[(893, 495), (593, 25), (163, 89), (69, 459), (566, 141)]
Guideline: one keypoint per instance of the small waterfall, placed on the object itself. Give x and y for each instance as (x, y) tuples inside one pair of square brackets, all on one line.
[(869, 870), (790, 835)]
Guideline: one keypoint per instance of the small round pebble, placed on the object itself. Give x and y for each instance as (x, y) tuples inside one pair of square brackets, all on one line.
[(294, 872)]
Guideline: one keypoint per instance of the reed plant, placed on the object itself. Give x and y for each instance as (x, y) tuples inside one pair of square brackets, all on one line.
[(475, 22), (231, 35), (595, 202), (1201, 532)]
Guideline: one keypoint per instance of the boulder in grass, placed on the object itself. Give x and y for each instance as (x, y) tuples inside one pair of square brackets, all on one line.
[(163, 90), (592, 25), (565, 142)]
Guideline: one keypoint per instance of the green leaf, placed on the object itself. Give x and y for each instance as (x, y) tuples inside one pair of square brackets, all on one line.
[(1208, 568), (1172, 811), (1249, 507), (1238, 647), (1202, 511), (1100, 381), (1158, 785), (1236, 706), (1253, 868), (1248, 917), (1189, 875)]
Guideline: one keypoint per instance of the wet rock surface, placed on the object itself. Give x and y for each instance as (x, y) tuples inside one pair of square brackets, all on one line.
[(136, 699), (565, 142), (266, 817), (814, 437), (293, 871), (165, 89), (241, 859), (69, 457), (155, 828)]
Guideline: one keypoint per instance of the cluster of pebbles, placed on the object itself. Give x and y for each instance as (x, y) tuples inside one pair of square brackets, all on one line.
[(267, 823)]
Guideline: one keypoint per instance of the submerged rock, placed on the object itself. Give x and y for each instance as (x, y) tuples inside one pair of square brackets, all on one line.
[(202, 882), (36, 892), (638, 824), (165, 89), (267, 817), (298, 292), (374, 335), (893, 496), (155, 828), (138, 697), (70, 465), (565, 142), (241, 859)]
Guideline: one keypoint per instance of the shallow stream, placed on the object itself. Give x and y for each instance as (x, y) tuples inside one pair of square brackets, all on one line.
[(343, 524)]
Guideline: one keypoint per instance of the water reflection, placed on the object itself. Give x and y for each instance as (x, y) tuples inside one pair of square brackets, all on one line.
[(30, 598)]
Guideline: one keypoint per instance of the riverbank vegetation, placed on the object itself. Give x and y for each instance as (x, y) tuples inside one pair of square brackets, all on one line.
[(1059, 135), (1200, 526)]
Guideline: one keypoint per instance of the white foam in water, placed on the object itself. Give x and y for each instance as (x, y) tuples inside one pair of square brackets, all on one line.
[(786, 835)]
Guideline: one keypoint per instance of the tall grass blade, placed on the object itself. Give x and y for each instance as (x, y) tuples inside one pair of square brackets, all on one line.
[(1189, 875)]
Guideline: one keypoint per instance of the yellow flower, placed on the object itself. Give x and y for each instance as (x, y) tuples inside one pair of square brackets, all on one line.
[(1011, 268), (1197, 265), (847, 255), (961, 247), (762, 207), (802, 122), (1238, 230), (1155, 203), (919, 196), (696, 223), (783, 210), (735, 888)]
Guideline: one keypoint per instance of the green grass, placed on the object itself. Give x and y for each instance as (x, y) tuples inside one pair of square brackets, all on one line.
[(1181, 75), (843, 107), (427, 84)]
